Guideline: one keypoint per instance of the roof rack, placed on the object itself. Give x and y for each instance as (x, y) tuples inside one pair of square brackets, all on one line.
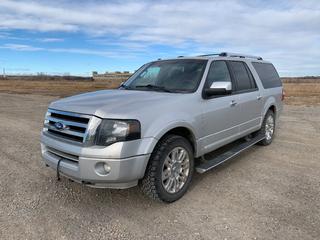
[(210, 54), (227, 54)]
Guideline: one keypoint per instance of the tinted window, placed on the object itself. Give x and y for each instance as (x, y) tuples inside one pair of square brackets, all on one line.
[(267, 74), (218, 72), (241, 75)]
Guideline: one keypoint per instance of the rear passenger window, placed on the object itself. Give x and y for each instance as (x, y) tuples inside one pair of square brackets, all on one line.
[(218, 72), (267, 74), (242, 77)]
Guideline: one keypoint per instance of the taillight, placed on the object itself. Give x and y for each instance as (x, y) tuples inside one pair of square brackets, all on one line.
[(283, 95)]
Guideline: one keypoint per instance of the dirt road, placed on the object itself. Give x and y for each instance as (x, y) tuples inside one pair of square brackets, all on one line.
[(266, 193)]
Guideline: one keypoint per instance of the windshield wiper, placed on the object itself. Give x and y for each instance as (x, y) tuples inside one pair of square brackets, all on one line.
[(155, 87), (125, 86)]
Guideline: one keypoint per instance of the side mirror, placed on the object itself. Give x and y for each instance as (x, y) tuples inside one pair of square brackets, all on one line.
[(218, 88)]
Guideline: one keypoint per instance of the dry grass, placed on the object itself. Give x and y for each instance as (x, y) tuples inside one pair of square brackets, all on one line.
[(54, 88), (296, 93), (302, 89), (302, 93)]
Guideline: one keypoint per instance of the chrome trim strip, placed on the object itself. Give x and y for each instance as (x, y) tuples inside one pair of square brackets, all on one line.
[(61, 139), (66, 131), (68, 123), (72, 114)]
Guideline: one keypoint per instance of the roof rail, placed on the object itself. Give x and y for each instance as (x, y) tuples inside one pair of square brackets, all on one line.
[(226, 54), (208, 55)]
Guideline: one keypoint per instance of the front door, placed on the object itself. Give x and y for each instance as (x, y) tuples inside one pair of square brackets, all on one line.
[(220, 113)]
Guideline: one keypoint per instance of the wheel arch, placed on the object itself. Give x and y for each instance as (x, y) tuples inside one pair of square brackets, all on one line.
[(273, 108), (181, 129), (270, 105), (183, 132)]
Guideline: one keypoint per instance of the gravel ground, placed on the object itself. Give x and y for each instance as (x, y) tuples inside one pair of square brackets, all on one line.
[(265, 193)]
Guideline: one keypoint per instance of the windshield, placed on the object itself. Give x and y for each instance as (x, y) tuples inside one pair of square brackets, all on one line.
[(182, 75)]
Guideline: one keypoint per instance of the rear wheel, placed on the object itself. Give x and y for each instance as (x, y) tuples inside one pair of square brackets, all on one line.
[(268, 128), (170, 169)]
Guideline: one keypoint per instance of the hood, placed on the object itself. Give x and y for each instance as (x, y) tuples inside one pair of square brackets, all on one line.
[(122, 104)]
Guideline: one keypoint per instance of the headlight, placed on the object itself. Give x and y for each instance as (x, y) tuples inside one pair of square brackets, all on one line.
[(110, 131)]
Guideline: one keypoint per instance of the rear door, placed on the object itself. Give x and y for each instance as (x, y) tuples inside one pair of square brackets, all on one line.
[(250, 99)]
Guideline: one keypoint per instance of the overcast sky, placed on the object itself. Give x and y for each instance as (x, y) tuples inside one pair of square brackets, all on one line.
[(81, 36)]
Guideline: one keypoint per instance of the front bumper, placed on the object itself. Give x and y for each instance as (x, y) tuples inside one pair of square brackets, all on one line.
[(77, 163)]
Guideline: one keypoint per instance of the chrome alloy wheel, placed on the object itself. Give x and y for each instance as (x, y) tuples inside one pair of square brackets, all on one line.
[(269, 128), (175, 170)]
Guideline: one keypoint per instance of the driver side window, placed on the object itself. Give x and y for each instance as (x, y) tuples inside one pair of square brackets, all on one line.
[(218, 72)]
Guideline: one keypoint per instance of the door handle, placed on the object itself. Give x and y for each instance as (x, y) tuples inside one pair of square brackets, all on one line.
[(259, 97), (233, 103)]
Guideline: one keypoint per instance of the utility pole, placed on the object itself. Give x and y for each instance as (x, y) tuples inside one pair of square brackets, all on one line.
[(4, 73)]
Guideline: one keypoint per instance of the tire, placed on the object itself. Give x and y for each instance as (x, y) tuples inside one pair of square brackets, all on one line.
[(267, 130), (160, 170)]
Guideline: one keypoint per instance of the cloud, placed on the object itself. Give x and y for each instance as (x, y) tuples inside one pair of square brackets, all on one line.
[(8, 36), (286, 32), (50, 40), (82, 51), (20, 47), (29, 48)]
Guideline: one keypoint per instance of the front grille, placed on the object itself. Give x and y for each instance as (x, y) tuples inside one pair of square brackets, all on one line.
[(64, 155), (66, 125)]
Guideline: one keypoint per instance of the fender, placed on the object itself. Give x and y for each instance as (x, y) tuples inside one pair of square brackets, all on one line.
[(167, 127)]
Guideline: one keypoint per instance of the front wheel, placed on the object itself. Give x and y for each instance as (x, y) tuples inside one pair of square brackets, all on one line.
[(170, 169), (268, 128)]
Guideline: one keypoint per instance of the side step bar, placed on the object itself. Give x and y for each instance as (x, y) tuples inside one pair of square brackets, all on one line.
[(211, 163)]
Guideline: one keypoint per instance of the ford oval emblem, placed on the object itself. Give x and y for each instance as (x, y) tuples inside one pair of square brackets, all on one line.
[(59, 126)]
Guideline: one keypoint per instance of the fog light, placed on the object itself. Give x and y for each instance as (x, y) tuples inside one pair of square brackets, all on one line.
[(107, 168), (102, 168)]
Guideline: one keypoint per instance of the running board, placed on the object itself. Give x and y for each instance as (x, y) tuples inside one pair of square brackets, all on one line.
[(211, 163)]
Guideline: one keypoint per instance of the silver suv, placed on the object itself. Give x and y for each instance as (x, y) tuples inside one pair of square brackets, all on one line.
[(171, 118)]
